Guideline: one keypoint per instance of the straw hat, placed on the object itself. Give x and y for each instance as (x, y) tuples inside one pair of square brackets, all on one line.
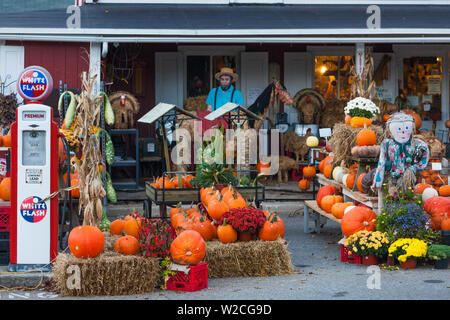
[(227, 71)]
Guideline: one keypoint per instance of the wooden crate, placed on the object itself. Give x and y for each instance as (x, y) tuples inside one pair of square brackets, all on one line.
[(163, 196)]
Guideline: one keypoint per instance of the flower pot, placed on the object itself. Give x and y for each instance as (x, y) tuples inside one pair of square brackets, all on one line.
[(219, 186), (245, 236), (409, 264), (441, 264), (390, 261), (370, 260), (445, 237)]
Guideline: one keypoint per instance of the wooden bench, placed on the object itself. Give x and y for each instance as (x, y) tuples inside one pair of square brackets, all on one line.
[(312, 210)]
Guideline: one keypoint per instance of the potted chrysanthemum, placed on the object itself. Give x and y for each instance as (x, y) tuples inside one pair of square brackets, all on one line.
[(369, 245), (407, 250)]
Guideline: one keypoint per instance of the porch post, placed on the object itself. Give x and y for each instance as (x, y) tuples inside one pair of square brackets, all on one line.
[(95, 60), (359, 57)]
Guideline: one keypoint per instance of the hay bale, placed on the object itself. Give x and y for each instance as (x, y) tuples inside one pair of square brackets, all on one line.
[(248, 259), (106, 275), (333, 113), (195, 103), (343, 140)]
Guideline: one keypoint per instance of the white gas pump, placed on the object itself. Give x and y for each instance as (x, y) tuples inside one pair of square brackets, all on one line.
[(34, 176)]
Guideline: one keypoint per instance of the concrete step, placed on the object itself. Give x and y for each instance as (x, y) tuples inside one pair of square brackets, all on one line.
[(22, 279)]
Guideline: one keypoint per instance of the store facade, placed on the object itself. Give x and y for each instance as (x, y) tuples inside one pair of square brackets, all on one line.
[(170, 51)]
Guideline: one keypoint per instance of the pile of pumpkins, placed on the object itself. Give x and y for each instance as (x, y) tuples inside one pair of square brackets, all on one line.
[(353, 217), (204, 218), (89, 241), (366, 147), (173, 183), (438, 208), (309, 172)]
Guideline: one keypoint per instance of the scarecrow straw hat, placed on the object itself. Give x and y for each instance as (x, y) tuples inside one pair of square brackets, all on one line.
[(227, 71)]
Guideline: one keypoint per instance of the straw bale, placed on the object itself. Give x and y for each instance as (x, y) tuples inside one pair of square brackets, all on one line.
[(343, 139), (106, 275), (248, 259), (110, 240)]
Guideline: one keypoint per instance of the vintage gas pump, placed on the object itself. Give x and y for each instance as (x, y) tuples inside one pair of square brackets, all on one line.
[(34, 176)]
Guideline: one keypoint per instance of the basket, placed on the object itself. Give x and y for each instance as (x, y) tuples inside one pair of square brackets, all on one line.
[(346, 257), (4, 219), (196, 279)]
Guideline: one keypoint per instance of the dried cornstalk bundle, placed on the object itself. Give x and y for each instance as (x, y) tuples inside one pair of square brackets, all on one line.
[(364, 85), (88, 113)]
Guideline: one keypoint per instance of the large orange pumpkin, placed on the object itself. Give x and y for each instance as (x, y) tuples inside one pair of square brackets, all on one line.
[(420, 187), (86, 241), (5, 189), (357, 219), (327, 202), (325, 191), (127, 245), (270, 230), (217, 208), (188, 248), (132, 228)]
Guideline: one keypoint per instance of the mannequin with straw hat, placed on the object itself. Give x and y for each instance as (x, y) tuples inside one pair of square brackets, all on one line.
[(226, 92), (401, 155)]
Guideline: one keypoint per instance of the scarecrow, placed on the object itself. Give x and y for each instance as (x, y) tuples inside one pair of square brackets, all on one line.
[(401, 156)]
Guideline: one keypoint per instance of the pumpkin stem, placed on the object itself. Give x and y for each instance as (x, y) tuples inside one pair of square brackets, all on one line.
[(365, 223)]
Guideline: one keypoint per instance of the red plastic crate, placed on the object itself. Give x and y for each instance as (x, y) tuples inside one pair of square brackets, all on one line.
[(4, 219), (346, 257), (196, 279)]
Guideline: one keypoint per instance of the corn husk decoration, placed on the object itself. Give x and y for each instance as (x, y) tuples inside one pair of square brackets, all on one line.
[(88, 113)]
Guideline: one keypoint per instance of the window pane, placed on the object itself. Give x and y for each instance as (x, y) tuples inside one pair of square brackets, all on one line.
[(328, 80), (422, 86), (198, 75)]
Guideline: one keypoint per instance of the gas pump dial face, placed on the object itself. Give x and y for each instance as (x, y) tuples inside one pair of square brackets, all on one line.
[(33, 148)]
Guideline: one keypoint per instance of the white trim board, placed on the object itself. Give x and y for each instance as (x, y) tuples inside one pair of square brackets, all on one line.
[(288, 2), (225, 32)]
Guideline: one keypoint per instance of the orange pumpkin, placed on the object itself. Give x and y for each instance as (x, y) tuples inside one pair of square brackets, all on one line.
[(309, 172), (226, 233), (445, 224), (366, 137), (127, 245), (86, 242), (360, 122), (325, 191), (359, 182), (217, 208), (357, 219), (328, 202), (263, 167), (444, 190), (6, 141), (420, 187), (324, 162), (188, 248), (117, 227), (132, 228), (350, 181), (75, 192), (270, 230), (327, 170), (304, 184), (338, 208), (205, 228), (5, 189)]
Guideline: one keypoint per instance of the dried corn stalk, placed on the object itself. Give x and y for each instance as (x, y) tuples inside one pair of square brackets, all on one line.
[(364, 85), (88, 113)]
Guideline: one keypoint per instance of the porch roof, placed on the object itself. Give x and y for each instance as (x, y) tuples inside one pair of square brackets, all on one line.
[(153, 23)]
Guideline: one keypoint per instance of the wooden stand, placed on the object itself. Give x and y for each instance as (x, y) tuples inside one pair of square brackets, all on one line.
[(311, 207)]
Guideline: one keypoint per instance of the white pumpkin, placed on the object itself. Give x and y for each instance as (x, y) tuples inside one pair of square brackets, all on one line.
[(429, 193), (348, 209), (338, 173), (312, 141)]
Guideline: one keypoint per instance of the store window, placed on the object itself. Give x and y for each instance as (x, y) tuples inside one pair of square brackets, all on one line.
[(422, 78), (201, 71), (332, 76)]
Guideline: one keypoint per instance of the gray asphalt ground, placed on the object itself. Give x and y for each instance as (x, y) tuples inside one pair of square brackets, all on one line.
[(320, 275)]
